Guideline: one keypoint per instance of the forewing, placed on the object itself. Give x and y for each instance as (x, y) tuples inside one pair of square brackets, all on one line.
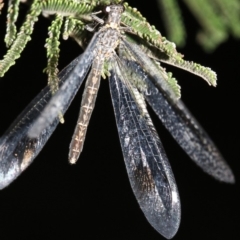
[(184, 128), (17, 149), (148, 169), (66, 92)]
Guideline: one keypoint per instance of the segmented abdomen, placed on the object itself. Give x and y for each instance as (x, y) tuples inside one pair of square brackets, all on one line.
[(87, 106)]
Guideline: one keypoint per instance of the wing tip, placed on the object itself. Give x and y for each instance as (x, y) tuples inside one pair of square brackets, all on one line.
[(170, 229), (229, 177), (224, 175), (167, 224)]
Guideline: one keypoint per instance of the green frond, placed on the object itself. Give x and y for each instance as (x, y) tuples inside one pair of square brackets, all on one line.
[(22, 38), (213, 24), (53, 50), (77, 13), (218, 20), (195, 68), (11, 31), (171, 81), (72, 27), (173, 21), (68, 8), (78, 34), (68, 27), (230, 14), (133, 19), (60, 7), (167, 53), (105, 71)]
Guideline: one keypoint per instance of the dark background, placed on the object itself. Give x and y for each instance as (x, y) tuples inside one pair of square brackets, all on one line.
[(93, 199)]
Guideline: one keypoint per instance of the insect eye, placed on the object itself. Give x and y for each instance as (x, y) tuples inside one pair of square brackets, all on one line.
[(108, 9)]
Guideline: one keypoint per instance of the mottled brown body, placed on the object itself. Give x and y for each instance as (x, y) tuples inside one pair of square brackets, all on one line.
[(108, 41)]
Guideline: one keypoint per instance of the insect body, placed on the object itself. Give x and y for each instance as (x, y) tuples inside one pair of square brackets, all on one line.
[(149, 172), (108, 39), (134, 79)]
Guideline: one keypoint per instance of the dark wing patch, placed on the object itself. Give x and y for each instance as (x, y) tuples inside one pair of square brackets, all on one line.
[(17, 149)]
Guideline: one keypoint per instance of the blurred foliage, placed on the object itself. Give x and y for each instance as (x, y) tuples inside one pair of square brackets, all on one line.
[(218, 20)]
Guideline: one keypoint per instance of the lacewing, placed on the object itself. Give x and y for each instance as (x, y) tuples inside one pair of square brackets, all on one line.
[(134, 80)]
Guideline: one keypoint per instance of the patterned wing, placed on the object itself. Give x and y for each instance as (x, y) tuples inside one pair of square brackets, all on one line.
[(183, 127), (148, 169), (17, 149), (66, 92)]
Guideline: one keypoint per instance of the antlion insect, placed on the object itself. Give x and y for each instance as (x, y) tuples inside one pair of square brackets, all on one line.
[(134, 77)]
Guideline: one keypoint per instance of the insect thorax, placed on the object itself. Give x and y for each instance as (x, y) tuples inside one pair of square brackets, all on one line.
[(114, 15), (110, 32)]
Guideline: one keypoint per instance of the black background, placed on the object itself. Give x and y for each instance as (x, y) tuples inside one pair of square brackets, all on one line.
[(93, 199)]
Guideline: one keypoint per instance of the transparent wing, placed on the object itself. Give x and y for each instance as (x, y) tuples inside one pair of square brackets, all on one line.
[(17, 150), (148, 169), (146, 63), (66, 92), (184, 128)]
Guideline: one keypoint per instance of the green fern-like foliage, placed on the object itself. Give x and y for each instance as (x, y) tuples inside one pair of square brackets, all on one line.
[(69, 18), (218, 18)]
